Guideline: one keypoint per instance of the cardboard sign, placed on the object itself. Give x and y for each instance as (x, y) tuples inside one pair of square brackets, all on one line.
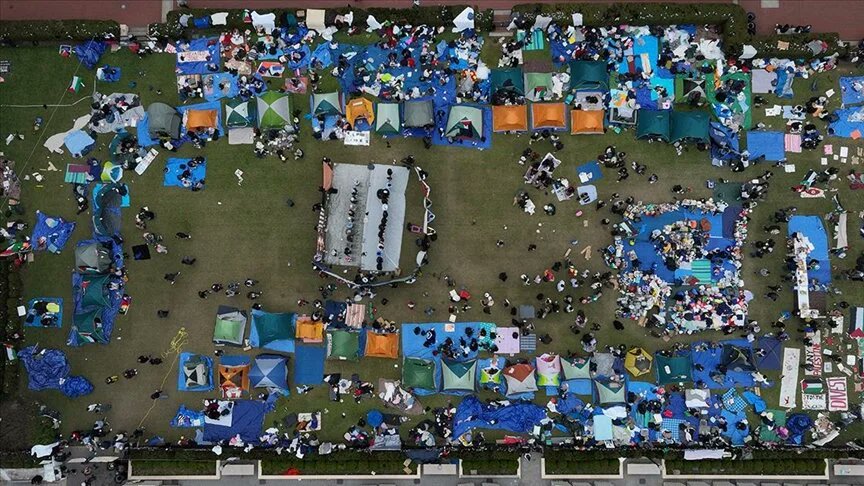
[(814, 402), (813, 355), (357, 138), (838, 399)]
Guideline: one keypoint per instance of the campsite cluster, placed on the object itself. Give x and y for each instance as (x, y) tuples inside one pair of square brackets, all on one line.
[(676, 267)]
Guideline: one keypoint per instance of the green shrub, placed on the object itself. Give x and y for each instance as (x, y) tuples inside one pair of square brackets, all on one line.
[(18, 460), (12, 31), (174, 468), (491, 467)]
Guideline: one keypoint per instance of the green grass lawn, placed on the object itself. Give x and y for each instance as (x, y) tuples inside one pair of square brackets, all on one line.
[(249, 231)]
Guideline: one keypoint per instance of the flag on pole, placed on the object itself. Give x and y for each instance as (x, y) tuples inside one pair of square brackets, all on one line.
[(11, 353), (76, 84)]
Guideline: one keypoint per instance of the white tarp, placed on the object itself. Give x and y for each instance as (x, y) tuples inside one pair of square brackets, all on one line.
[(372, 23), (541, 22), (464, 20), (315, 19), (264, 21), (840, 238), (219, 18), (789, 380), (699, 454)]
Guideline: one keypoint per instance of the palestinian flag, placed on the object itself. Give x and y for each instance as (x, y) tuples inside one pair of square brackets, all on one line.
[(856, 322), (812, 386), (11, 353), (76, 84)]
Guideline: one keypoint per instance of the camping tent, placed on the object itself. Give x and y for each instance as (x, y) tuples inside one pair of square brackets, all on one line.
[(163, 120), (343, 345), (856, 323), (309, 330), (240, 113), (380, 345), (464, 122), (638, 362), (611, 392), (92, 257), (94, 291), (538, 86), (674, 368), (387, 119), (548, 370), (508, 79), (200, 119), (230, 326), (552, 116), (234, 375), (687, 89), (269, 371), (520, 379), (576, 368), (274, 110), (106, 219), (584, 122), (689, 125), (508, 118), (195, 372), (458, 375), (272, 330), (737, 358), (418, 373), (419, 113), (653, 123), (589, 75), (360, 108), (327, 103)]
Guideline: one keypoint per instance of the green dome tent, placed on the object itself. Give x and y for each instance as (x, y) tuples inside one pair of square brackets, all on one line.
[(576, 368), (419, 113), (230, 326), (509, 79), (274, 110), (465, 122), (418, 373), (387, 119), (538, 86), (343, 345), (240, 113), (327, 104), (459, 376), (653, 123), (589, 76), (611, 392), (689, 125)]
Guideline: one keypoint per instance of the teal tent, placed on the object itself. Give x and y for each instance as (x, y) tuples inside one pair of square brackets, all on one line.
[(327, 104), (673, 369), (94, 291), (576, 368), (418, 373), (240, 113), (611, 392), (387, 119), (653, 124), (465, 122), (589, 76), (459, 376), (509, 79), (538, 86), (419, 113), (689, 125)]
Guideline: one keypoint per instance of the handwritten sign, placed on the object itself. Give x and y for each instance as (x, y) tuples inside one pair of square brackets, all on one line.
[(357, 138), (838, 399), (813, 355), (814, 402)]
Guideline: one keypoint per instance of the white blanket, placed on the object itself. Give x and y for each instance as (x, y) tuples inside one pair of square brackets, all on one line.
[(789, 377)]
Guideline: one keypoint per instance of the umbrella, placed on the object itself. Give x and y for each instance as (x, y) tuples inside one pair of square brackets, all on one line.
[(638, 362)]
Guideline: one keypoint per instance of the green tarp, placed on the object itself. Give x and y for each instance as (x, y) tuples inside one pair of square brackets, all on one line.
[(689, 125), (537, 86), (344, 345), (653, 123), (240, 113), (459, 376), (674, 369), (274, 110), (387, 120), (230, 328), (465, 122), (742, 107), (326, 104), (611, 392), (507, 79), (589, 76), (418, 373), (419, 113)]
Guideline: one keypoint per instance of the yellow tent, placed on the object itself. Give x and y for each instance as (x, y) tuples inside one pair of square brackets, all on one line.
[(359, 108), (585, 122), (196, 119), (308, 330), (381, 345), (638, 362), (506, 118)]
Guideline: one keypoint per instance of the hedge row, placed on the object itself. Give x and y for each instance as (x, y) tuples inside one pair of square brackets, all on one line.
[(756, 467), (174, 468), (17, 460), (324, 465), (489, 463), (575, 466), (10, 297), (57, 30)]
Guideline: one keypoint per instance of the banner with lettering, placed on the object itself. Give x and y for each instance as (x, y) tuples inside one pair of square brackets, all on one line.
[(838, 398)]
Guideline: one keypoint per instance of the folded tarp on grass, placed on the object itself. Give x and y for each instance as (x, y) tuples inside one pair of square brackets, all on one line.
[(44, 310), (51, 233), (48, 369), (770, 145), (89, 53), (108, 74), (763, 81), (309, 364), (174, 169), (519, 418)]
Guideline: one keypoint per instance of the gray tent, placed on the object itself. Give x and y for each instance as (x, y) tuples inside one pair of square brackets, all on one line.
[(92, 258), (163, 120), (106, 220), (419, 113)]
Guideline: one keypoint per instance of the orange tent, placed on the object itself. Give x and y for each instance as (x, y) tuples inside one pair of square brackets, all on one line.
[(506, 118), (233, 380), (584, 122), (308, 330), (359, 108), (382, 345), (548, 115), (197, 119)]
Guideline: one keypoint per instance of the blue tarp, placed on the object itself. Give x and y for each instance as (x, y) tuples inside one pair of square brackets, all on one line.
[(187, 418), (647, 44), (798, 424), (814, 230), (724, 142), (247, 418), (76, 386), (55, 230), (309, 364), (89, 53), (108, 74), (49, 369), (34, 319), (851, 120), (174, 169), (771, 145), (143, 132), (849, 95), (181, 374), (198, 67), (220, 85), (78, 143), (784, 84), (591, 170), (709, 359), (519, 417)]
